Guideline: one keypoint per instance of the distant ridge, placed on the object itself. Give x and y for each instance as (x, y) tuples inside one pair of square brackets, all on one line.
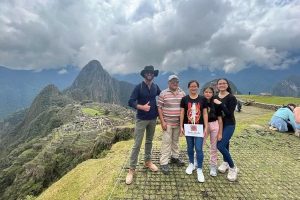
[(288, 87)]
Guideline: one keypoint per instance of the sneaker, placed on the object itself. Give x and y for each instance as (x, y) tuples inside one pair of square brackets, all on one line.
[(213, 171), (273, 128), (232, 174), (165, 169), (151, 166), (129, 177), (177, 161), (297, 133), (190, 168), (200, 175), (223, 167)]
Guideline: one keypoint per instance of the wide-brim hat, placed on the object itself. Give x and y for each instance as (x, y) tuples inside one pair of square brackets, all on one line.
[(149, 68)]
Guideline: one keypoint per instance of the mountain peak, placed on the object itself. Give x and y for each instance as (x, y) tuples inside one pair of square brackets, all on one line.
[(49, 96), (49, 90), (95, 83), (93, 65)]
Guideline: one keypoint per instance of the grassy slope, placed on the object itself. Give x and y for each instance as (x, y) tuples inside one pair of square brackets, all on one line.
[(95, 179), (92, 179)]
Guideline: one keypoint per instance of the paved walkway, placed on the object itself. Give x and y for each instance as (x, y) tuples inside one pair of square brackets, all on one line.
[(269, 168)]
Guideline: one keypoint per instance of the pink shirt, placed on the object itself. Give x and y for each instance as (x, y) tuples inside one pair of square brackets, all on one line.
[(297, 115), (169, 102)]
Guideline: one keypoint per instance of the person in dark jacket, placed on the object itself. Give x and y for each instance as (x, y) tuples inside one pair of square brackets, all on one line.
[(143, 99), (227, 102)]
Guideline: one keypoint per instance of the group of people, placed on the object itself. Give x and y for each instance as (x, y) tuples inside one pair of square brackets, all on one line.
[(286, 119), (214, 114)]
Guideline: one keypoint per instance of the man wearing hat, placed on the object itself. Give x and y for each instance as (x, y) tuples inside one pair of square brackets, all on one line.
[(143, 99), (169, 115)]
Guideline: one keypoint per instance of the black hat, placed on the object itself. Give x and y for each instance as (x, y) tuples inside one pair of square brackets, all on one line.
[(149, 68)]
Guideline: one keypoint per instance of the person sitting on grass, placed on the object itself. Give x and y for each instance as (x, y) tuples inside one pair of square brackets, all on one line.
[(283, 119)]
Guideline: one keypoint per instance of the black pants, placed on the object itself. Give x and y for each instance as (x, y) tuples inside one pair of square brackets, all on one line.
[(290, 127)]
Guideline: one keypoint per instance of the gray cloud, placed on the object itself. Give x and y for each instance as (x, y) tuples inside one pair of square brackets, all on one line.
[(126, 35)]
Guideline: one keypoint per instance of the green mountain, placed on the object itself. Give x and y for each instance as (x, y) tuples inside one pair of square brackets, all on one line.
[(60, 130), (95, 84), (213, 84)]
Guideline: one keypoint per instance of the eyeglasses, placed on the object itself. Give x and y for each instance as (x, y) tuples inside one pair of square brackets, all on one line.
[(174, 82)]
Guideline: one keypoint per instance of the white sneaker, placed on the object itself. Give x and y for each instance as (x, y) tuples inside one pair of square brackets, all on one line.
[(200, 175), (213, 171), (223, 167), (297, 133), (190, 168), (273, 128), (232, 174)]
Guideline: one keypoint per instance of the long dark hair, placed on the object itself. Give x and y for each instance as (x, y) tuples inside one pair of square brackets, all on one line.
[(228, 85)]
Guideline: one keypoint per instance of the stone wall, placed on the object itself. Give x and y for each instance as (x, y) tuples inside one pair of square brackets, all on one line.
[(261, 105)]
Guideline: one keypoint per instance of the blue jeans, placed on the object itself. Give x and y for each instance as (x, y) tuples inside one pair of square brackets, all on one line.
[(197, 143), (279, 123), (223, 144)]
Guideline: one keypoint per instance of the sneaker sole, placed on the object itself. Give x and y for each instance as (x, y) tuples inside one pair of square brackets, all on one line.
[(188, 173), (232, 180), (221, 171)]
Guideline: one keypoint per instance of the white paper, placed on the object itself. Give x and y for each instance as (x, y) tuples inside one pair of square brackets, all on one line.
[(194, 130)]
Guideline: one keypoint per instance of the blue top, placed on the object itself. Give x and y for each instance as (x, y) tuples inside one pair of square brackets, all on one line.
[(141, 95), (287, 115)]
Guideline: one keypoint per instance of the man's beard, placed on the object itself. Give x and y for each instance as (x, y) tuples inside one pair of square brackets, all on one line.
[(149, 78)]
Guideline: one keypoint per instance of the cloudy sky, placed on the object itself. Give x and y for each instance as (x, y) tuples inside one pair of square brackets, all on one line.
[(125, 35)]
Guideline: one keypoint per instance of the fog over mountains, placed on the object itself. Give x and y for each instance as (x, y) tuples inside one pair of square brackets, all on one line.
[(19, 87), (255, 79)]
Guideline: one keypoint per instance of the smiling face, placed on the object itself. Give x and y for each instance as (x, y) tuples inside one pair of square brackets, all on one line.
[(193, 87), (149, 76), (222, 85), (173, 84)]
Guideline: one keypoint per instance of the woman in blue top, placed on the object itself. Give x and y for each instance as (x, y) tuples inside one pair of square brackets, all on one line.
[(283, 120)]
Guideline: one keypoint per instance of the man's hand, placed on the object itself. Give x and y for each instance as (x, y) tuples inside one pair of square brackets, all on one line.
[(164, 125), (146, 107)]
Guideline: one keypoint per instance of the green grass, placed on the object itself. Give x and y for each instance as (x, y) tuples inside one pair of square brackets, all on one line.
[(90, 111), (92, 179), (95, 179), (270, 99)]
